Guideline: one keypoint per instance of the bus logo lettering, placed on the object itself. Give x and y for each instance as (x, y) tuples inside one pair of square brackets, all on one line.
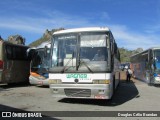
[(76, 76)]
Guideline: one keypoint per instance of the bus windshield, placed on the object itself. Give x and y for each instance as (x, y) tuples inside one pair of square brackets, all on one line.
[(85, 52), (40, 60), (157, 59)]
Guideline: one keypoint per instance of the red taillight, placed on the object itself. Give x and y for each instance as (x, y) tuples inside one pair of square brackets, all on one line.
[(1, 64)]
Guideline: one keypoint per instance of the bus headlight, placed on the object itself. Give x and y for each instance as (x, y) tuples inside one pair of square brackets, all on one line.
[(55, 81), (101, 81)]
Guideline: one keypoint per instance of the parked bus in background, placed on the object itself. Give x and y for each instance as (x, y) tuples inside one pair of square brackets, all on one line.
[(124, 66), (146, 65), (85, 63), (40, 64), (14, 63)]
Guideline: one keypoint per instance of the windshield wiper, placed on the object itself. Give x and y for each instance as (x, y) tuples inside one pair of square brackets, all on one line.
[(64, 68), (82, 61)]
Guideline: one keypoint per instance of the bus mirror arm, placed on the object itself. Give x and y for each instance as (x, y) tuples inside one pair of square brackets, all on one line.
[(107, 40), (112, 48), (45, 51), (154, 64)]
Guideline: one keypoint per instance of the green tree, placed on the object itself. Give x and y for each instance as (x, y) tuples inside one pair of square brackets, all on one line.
[(125, 54)]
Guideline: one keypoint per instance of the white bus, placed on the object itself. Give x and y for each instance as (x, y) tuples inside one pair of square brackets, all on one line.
[(14, 63), (40, 64), (146, 65), (85, 63)]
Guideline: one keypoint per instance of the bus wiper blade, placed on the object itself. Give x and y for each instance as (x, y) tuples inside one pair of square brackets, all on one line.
[(64, 68), (81, 60)]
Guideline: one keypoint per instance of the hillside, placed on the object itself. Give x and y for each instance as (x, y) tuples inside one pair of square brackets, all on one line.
[(46, 36), (125, 54)]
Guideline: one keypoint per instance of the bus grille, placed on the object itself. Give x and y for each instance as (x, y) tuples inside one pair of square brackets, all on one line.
[(77, 92)]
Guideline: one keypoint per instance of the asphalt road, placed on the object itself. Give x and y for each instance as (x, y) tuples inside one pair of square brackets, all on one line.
[(134, 96)]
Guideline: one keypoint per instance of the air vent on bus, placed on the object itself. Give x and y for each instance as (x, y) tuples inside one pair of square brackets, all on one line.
[(77, 92)]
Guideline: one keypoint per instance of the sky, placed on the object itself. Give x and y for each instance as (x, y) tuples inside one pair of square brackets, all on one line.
[(134, 23)]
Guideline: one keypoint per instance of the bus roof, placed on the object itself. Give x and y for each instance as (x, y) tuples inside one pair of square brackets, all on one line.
[(9, 43), (42, 45), (152, 48), (155, 48), (87, 29)]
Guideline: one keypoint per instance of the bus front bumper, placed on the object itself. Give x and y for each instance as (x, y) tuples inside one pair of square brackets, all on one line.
[(157, 80), (90, 91), (38, 81)]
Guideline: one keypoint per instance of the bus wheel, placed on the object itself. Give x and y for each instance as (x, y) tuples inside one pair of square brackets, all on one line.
[(119, 80), (113, 90), (150, 84)]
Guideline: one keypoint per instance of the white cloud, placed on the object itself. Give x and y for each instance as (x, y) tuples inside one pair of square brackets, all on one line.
[(39, 24), (153, 28), (22, 27), (124, 36), (132, 40), (105, 15), (22, 23)]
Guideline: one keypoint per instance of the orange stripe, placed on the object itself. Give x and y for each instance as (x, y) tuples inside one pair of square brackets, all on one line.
[(35, 74)]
